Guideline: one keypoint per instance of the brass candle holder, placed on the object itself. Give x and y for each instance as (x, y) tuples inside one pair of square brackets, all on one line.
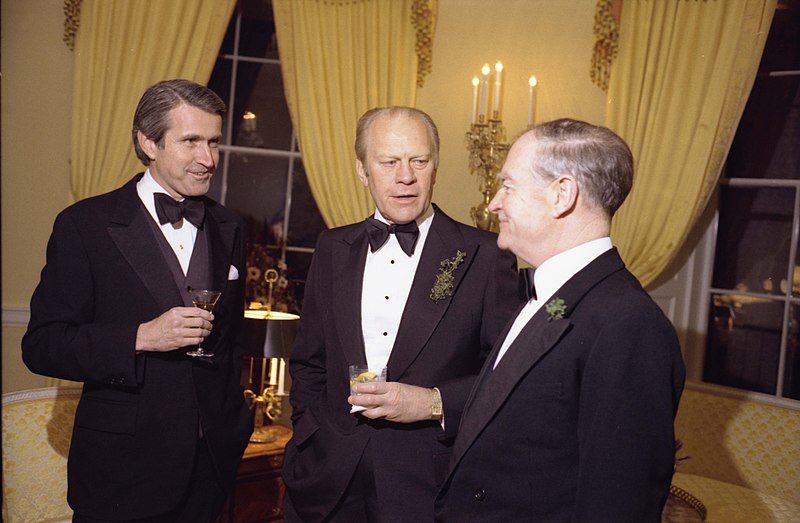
[(487, 153)]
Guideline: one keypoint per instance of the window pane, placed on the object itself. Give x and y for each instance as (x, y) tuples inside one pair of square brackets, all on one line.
[(766, 141), (228, 40), (753, 241), (305, 221), (743, 346), (257, 36), (791, 384), (257, 31), (256, 189), (259, 90)]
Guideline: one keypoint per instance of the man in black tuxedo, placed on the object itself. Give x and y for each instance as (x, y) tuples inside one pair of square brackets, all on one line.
[(409, 290), (571, 418), (158, 434)]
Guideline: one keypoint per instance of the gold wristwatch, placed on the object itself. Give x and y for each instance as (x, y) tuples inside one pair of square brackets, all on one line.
[(436, 404)]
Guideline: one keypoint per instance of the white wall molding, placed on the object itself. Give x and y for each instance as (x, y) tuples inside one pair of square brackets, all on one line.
[(16, 316)]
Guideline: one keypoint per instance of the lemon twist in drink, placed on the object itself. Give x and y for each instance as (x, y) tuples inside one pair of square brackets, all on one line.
[(364, 377)]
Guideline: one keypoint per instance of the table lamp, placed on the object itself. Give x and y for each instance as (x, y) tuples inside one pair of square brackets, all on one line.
[(269, 334)]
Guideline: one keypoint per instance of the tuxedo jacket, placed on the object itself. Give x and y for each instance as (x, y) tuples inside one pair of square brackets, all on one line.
[(576, 421), (140, 416), (440, 343)]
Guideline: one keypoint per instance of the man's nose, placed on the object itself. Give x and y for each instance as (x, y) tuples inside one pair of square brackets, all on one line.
[(495, 204), (204, 155), (405, 174)]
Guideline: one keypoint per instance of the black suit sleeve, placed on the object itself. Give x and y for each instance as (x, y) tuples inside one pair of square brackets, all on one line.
[(628, 400), (64, 338), (307, 363)]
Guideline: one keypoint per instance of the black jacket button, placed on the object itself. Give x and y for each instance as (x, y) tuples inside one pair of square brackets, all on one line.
[(480, 494)]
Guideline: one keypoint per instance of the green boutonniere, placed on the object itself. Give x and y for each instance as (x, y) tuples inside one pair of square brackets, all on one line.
[(555, 309), (444, 280)]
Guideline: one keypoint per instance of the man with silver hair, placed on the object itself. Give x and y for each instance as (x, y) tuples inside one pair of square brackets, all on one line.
[(572, 415)]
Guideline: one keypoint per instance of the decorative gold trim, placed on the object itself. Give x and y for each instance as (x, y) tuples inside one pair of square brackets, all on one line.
[(423, 18), (606, 33), (72, 19), (689, 499)]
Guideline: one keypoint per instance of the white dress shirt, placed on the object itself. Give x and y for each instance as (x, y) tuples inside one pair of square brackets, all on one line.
[(181, 235), (548, 278), (388, 275)]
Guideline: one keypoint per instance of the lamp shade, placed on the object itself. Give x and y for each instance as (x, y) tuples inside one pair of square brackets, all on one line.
[(269, 333)]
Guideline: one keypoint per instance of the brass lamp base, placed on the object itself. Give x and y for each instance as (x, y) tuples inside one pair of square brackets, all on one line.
[(266, 405)]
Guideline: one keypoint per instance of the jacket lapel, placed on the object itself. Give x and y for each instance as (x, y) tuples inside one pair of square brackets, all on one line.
[(221, 236), (349, 258), (133, 236), (536, 339), (422, 313)]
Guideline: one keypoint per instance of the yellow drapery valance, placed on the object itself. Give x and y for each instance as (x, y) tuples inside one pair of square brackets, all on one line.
[(340, 59), (122, 47), (676, 93)]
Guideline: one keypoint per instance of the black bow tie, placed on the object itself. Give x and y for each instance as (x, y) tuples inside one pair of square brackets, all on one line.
[(526, 287), (379, 232), (171, 210)]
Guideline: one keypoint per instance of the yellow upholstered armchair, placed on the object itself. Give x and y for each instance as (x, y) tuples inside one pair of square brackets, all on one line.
[(744, 454), (37, 428)]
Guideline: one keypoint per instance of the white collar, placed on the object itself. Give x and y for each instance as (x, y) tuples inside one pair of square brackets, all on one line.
[(558, 269)]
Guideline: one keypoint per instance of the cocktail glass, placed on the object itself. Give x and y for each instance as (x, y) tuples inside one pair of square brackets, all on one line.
[(206, 300), (362, 374)]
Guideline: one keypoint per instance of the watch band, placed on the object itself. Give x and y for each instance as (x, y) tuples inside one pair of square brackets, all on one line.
[(436, 404)]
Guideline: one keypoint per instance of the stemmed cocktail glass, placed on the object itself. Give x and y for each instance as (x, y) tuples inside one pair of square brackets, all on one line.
[(206, 300)]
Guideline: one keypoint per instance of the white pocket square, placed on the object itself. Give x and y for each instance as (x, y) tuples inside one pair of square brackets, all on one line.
[(233, 274)]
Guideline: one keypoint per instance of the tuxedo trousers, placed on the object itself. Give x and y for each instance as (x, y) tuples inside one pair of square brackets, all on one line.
[(201, 503)]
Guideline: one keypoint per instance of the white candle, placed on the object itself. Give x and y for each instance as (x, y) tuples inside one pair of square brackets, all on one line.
[(484, 89), (498, 67), (273, 371), (475, 83), (282, 378), (263, 374), (532, 84)]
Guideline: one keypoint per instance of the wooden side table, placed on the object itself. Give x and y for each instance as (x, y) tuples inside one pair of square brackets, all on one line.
[(258, 491)]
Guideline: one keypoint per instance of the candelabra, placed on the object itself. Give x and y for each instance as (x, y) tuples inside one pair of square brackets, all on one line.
[(486, 142), (487, 153)]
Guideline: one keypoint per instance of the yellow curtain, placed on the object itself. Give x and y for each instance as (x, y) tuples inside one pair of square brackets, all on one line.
[(339, 59), (123, 46), (677, 91)]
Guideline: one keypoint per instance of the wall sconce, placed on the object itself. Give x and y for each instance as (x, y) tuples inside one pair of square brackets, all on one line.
[(268, 334), (486, 141)]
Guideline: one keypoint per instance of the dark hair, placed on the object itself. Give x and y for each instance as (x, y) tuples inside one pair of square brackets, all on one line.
[(152, 113), (600, 161), (366, 120)]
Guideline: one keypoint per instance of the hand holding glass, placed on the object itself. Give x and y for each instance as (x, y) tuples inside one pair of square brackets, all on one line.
[(206, 300), (361, 374)]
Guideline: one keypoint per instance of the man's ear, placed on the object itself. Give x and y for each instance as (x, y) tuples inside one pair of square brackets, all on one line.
[(565, 195), (363, 175), (148, 146)]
